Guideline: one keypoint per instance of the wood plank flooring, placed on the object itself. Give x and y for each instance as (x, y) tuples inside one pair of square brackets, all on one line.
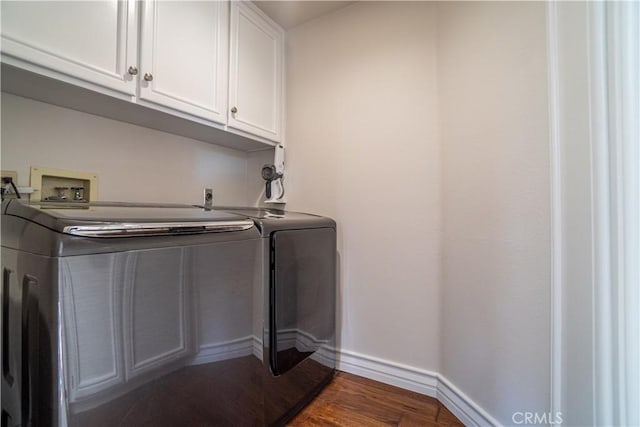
[(351, 400)]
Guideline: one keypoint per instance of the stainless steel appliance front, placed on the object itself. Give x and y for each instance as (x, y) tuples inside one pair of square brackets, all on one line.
[(163, 330)]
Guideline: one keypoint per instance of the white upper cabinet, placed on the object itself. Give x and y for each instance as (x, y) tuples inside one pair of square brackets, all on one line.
[(91, 41), (256, 73), (184, 56), (215, 65)]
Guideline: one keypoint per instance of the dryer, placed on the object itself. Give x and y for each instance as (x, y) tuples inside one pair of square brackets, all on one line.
[(299, 307)]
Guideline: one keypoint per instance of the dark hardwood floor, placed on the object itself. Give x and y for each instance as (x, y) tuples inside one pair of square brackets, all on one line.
[(351, 400), (230, 392)]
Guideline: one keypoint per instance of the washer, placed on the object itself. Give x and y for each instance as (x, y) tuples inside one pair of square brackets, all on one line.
[(129, 314)]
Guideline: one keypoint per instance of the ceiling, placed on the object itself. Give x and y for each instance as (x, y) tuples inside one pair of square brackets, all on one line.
[(289, 14)]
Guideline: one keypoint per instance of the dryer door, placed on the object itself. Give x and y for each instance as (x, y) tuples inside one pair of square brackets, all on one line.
[(302, 295)]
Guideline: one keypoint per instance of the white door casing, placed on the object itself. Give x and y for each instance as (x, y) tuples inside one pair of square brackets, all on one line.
[(594, 56)]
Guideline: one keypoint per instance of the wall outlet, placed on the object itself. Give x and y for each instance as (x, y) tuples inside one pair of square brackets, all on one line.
[(208, 198)]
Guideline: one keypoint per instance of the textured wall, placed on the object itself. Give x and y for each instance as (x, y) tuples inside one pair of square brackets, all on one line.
[(496, 204), (362, 148)]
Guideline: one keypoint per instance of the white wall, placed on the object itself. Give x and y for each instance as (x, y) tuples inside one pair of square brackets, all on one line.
[(496, 204), (422, 129), (133, 163), (362, 148)]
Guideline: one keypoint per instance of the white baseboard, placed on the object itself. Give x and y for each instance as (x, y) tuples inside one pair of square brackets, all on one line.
[(388, 372), (257, 347), (418, 380), (461, 405)]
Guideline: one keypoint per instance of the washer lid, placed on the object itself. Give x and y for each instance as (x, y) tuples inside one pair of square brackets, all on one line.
[(128, 220)]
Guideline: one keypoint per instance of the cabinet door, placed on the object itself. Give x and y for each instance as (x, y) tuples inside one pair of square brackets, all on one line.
[(91, 41), (183, 56), (255, 80)]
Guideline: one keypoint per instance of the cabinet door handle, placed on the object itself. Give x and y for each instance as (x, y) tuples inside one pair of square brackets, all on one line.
[(148, 77), (133, 70), (234, 110)]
